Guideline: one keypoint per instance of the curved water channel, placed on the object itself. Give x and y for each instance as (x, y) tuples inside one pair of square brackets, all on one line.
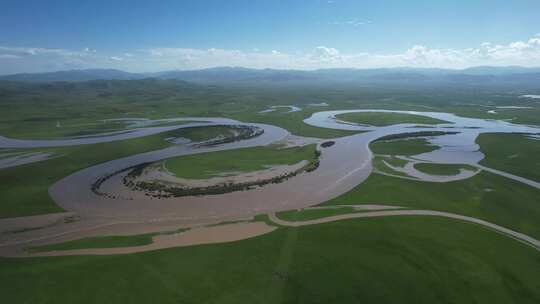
[(343, 166)]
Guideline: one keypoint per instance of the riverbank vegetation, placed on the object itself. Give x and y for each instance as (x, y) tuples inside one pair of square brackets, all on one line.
[(405, 147), (97, 242), (113, 241)]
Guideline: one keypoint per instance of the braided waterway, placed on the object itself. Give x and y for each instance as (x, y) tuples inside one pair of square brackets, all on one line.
[(343, 166)]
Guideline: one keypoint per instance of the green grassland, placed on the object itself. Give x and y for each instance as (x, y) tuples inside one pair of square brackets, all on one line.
[(98, 242), (394, 161), (383, 260), (513, 153), (207, 165), (442, 169), (203, 134), (113, 241), (406, 147), (380, 119), (32, 110), (24, 189), (517, 116), (293, 122), (487, 196), (380, 164), (312, 214)]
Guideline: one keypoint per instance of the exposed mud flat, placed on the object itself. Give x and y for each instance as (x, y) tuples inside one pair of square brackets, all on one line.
[(195, 236), (275, 108)]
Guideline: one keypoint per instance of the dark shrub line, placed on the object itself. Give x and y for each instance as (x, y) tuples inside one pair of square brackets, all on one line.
[(413, 134)]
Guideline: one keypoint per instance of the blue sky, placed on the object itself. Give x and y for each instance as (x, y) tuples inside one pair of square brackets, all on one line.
[(156, 35)]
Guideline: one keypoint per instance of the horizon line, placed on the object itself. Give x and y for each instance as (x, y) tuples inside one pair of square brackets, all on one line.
[(275, 69)]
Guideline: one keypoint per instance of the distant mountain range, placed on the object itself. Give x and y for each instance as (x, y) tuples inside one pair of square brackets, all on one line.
[(235, 75), (74, 75)]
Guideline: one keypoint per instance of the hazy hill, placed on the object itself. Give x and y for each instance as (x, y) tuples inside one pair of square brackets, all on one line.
[(149, 88), (491, 76), (74, 75)]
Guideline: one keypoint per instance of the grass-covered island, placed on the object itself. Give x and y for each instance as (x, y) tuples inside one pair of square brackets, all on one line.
[(381, 119), (218, 164), (208, 165)]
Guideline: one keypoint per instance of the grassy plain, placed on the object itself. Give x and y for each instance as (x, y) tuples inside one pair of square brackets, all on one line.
[(380, 164), (399, 259), (381, 119), (203, 134), (513, 153), (34, 110), (207, 165), (442, 169), (406, 147), (98, 242), (487, 196), (395, 259)]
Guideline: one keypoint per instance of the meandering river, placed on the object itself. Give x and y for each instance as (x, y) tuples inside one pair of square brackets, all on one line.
[(343, 166)]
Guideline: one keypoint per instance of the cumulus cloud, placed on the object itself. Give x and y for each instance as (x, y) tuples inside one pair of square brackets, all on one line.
[(525, 53), (324, 53)]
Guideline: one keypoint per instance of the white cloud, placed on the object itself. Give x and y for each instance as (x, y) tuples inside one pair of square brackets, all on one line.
[(352, 22), (525, 53), (35, 51), (325, 54), (9, 56)]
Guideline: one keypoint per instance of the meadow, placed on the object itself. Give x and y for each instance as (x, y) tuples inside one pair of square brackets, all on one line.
[(446, 259), (486, 196), (513, 153), (387, 119), (207, 165)]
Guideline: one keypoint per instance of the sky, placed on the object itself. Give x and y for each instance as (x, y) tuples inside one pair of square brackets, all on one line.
[(150, 36)]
